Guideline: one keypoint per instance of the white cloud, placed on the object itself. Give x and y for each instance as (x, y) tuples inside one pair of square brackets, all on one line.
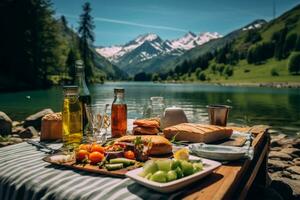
[(102, 19)]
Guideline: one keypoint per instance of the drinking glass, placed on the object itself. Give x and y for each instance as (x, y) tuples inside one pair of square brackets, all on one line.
[(218, 114), (156, 107), (98, 122)]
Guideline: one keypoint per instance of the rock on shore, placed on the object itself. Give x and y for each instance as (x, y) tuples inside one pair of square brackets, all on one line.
[(12, 132), (284, 166)]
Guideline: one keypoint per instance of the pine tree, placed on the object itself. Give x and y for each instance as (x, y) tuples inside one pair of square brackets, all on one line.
[(279, 46), (70, 64), (289, 44), (64, 23), (297, 45), (86, 26)]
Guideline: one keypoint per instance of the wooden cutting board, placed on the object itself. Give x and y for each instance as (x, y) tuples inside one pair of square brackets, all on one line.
[(92, 168), (236, 142)]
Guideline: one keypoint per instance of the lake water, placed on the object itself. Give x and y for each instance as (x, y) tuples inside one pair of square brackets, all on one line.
[(279, 108)]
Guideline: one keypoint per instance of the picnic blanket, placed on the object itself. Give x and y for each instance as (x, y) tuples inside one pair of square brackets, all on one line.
[(24, 175)]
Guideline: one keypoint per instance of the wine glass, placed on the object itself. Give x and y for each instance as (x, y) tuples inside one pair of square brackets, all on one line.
[(98, 122)]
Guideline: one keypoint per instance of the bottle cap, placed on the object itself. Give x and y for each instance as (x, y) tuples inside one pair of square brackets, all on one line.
[(79, 65), (79, 62), (119, 90), (71, 89)]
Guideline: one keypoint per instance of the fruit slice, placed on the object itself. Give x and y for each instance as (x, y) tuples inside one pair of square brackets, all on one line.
[(81, 155), (164, 165), (179, 172), (148, 176), (98, 148), (159, 176), (171, 175), (197, 167), (182, 154), (95, 157), (187, 168), (175, 164), (150, 167)]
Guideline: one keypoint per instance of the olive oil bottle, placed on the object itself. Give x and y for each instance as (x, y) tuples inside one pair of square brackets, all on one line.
[(84, 97), (71, 118)]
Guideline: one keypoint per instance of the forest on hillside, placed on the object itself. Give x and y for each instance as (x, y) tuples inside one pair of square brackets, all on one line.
[(39, 50), (278, 40)]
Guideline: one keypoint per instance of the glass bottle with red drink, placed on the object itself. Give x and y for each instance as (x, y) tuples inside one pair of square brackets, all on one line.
[(118, 114)]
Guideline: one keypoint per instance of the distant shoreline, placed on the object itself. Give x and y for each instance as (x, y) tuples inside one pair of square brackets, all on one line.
[(241, 84), (246, 84)]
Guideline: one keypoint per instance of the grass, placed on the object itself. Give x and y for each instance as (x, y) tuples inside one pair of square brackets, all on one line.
[(257, 73)]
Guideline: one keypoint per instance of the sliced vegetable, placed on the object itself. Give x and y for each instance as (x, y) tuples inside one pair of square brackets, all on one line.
[(115, 166), (124, 161)]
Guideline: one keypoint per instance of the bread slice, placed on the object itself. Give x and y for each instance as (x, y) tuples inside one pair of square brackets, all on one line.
[(151, 123), (138, 130), (197, 132), (160, 145)]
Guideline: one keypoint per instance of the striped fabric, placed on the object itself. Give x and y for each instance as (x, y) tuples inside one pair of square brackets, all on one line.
[(24, 175)]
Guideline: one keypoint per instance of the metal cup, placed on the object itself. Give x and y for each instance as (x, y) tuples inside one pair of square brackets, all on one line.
[(218, 114)]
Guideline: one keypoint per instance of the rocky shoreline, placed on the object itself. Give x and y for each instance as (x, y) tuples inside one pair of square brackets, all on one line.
[(284, 166), (13, 132), (283, 162)]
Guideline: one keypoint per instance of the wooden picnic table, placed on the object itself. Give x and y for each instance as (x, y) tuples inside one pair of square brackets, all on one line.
[(233, 181), (23, 175)]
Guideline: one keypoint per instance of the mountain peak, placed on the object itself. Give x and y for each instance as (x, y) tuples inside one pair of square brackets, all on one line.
[(190, 33), (146, 37), (152, 45)]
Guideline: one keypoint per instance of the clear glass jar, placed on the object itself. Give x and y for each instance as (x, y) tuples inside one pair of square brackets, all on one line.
[(155, 108)]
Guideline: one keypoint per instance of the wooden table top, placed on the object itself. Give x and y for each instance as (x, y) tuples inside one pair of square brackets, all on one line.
[(224, 181)]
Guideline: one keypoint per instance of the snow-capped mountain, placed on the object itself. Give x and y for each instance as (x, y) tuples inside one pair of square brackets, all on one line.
[(255, 24), (190, 40), (148, 46)]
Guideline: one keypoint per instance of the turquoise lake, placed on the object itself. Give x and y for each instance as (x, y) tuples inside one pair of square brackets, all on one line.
[(277, 107)]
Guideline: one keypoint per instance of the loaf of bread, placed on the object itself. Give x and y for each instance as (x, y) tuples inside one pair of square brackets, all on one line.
[(160, 145), (51, 127), (197, 132)]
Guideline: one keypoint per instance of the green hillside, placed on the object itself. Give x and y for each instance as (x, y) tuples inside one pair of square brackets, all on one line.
[(259, 54)]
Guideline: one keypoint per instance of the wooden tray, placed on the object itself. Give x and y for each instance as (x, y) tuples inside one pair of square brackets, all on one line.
[(92, 168)]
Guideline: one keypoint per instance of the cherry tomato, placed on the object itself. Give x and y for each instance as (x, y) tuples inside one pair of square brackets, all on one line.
[(97, 148), (95, 157), (129, 154), (86, 147), (81, 155)]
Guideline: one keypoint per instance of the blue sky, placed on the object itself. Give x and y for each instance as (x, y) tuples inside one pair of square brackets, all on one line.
[(119, 21)]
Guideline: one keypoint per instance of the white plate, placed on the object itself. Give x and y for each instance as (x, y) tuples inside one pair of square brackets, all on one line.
[(208, 167), (218, 152)]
